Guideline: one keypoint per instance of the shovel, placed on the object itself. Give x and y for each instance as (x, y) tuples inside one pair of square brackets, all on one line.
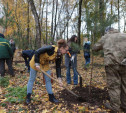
[(79, 98), (80, 77)]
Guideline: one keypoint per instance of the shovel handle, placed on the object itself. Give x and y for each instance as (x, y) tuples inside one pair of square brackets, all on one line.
[(59, 83)]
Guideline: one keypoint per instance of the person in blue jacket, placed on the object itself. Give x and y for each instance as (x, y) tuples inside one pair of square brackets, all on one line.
[(86, 49)]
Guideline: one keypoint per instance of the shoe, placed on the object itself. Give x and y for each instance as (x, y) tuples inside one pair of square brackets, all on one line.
[(13, 75), (52, 98), (28, 99)]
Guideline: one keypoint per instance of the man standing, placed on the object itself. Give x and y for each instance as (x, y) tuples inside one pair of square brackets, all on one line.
[(6, 54), (113, 44)]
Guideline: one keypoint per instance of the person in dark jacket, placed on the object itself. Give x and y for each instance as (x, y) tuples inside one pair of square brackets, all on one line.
[(6, 54), (68, 62), (41, 60), (27, 56), (86, 49)]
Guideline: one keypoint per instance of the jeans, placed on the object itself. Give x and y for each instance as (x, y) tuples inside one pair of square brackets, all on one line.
[(68, 76), (2, 66), (32, 79), (87, 58), (87, 61)]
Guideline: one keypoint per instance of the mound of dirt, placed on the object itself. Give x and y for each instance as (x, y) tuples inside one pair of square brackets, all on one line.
[(96, 98)]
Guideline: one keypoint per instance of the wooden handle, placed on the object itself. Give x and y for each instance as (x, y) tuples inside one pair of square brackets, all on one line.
[(59, 83)]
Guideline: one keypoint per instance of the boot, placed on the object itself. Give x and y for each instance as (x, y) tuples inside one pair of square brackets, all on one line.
[(28, 99), (52, 98)]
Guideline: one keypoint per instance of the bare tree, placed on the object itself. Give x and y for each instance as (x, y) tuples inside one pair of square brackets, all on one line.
[(118, 15), (28, 28), (37, 23), (52, 19), (46, 21), (79, 21)]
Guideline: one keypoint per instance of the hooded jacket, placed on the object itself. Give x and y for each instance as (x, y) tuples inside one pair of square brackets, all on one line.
[(5, 48), (44, 55), (114, 47)]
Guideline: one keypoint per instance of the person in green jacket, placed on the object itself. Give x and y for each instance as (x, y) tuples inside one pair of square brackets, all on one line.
[(6, 54)]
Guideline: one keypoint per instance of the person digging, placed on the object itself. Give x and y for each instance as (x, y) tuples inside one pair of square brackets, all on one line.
[(40, 61)]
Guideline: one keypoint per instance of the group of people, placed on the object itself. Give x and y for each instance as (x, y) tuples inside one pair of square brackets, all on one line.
[(112, 43)]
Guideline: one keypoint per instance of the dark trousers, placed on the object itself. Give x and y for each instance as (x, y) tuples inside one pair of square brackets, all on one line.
[(2, 66), (27, 60)]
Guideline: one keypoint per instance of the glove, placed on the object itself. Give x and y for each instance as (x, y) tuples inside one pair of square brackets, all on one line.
[(72, 58), (38, 67)]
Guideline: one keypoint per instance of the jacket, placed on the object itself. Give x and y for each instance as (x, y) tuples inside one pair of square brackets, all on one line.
[(114, 47), (5, 49), (44, 55), (28, 54), (72, 51)]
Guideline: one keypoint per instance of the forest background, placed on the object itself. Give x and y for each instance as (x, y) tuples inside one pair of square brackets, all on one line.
[(35, 23)]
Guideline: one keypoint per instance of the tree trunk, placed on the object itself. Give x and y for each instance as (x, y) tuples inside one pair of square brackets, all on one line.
[(46, 21), (52, 21), (55, 19), (37, 23), (28, 28), (102, 16), (118, 16), (41, 23), (79, 21)]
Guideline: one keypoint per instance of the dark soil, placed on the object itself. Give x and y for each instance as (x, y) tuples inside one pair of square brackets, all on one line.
[(96, 98)]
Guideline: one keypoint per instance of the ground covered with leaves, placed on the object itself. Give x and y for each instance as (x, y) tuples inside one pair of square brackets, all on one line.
[(13, 90)]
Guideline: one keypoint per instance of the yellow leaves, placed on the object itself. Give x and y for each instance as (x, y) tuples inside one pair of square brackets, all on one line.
[(46, 99), (2, 100), (98, 109), (81, 107), (59, 106), (45, 111), (36, 96), (11, 83), (2, 110)]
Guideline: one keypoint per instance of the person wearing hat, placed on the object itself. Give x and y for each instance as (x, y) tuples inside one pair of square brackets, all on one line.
[(113, 44), (6, 55)]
